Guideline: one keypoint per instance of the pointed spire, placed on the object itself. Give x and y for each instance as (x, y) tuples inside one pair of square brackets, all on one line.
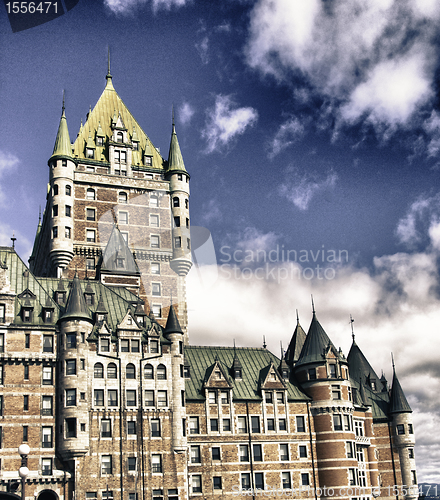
[(63, 146), (175, 159), (398, 401), (313, 306), (76, 307), (296, 343), (173, 325), (352, 329), (108, 77)]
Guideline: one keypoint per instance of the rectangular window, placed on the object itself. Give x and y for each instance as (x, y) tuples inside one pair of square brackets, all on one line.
[(349, 449), (282, 424), (70, 340), (332, 370), (131, 427), (70, 397), (359, 428), (26, 403), (215, 452), (352, 477), (224, 397), (268, 396), (414, 477), (245, 481), (305, 481), (214, 424), (47, 406), (155, 427), (280, 397), (149, 398), (25, 434), (300, 424), (107, 495), (270, 424), (244, 453), (67, 233), (112, 397), (257, 451), (212, 397), (242, 425), (162, 399), (55, 232), (2, 342), (216, 483), (284, 452), (98, 397), (177, 242), (26, 372), (336, 391), (285, 479), (131, 398), (123, 217), (410, 429), (46, 433), (155, 289), (303, 451), (337, 422), (27, 341), (47, 375), (106, 464), (68, 210), (259, 481), (46, 466), (154, 241), (194, 425), (90, 235), (195, 455), (226, 425), (196, 483), (131, 463), (71, 367), (135, 346), (312, 373), (70, 427), (155, 268), (106, 428), (2, 314), (105, 345), (90, 214), (55, 210), (255, 424), (156, 463), (125, 346), (347, 422), (410, 452), (176, 221)]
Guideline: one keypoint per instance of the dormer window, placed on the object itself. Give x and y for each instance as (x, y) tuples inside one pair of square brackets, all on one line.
[(60, 297), (89, 298), (100, 318), (237, 373), (47, 315), (27, 314), (135, 146), (100, 141), (285, 373), (332, 370), (90, 153), (119, 137), (148, 160), (120, 263)]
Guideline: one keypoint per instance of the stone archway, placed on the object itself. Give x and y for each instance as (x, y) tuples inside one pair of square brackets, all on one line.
[(47, 495)]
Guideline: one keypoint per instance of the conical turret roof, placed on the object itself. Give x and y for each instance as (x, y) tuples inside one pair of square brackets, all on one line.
[(359, 367), (63, 146), (173, 325), (296, 344), (175, 159), (76, 307), (115, 249), (398, 401)]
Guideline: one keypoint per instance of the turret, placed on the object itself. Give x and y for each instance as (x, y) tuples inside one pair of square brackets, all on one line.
[(60, 199)]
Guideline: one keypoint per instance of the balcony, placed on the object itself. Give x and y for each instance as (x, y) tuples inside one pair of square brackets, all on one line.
[(363, 440)]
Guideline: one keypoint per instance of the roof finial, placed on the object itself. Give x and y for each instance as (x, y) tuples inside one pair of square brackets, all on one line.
[(281, 346), (64, 107), (313, 305), (352, 330), (392, 362), (264, 342), (109, 75), (13, 239), (297, 317)]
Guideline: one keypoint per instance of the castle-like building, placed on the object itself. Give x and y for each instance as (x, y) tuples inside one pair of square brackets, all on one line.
[(98, 376)]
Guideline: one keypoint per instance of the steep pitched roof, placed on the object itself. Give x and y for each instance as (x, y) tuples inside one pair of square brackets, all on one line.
[(296, 344), (398, 401), (315, 345), (175, 159), (76, 307), (359, 367), (117, 248), (62, 147), (252, 360), (100, 120), (173, 325)]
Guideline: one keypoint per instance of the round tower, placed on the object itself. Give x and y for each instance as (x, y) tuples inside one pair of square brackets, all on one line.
[(62, 167)]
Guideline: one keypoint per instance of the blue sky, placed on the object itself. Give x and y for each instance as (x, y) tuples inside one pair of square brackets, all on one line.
[(310, 127)]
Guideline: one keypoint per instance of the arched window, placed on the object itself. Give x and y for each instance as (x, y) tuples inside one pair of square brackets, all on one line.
[(148, 372), (161, 372), (68, 190), (120, 137), (122, 197), (90, 194), (55, 189), (186, 203), (130, 371), (112, 371), (98, 370), (176, 201)]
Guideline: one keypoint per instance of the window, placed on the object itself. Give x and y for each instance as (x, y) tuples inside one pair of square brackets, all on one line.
[(98, 396), (196, 483), (245, 481), (336, 391), (106, 464), (194, 425), (46, 466), (242, 425), (362, 478), (154, 201), (90, 263), (90, 214), (71, 340), (157, 311), (214, 424), (26, 372), (282, 424), (410, 429), (349, 449), (400, 429), (157, 494), (162, 398), (46, 434), (90, 194), (156, 463), (107, 495), (258, 454), (98, 370), (177, 242), (255, 424), (360, 454), (155, 427), (47, 406), (187, 223), (149, 398), (195, 455), (352, 477), (186, 203), (55, 189), (148, 372), (68, 190), (155, 268), (70, 397), (71, 367), (285, 479), (105, 345), (268, 397), (244, 453), (337, 423), (112, 370), (122, 198), (302, 451), (414, 477), (26, 403), (224, 397), (359, 427), (92, 495), (332, 370), (347, 422), (305, 481), (55, 232), (68, 211), (226, 425), (217, 482), (130, 371), (123, 217), (280, 397), (300, 424), (212, 397), (55, 210), (215, 453), (176, 201), (155, 289), (176, 221), (410, 452), (125, 346), (259, 481), (154, 241), (131, 427), (312, 373), (91, 235), (112, 397), (131, 463), (131, 397), (135, 346), (284, 452), (47, 375), (90, 153), (106, 428), (270, 424)]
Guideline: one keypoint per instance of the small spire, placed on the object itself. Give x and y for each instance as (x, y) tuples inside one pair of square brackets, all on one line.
[(297, 317), (64, 107), (264, 342), (352, 329), (392, 362), (313, 305), (281, 347), (109, 75), (13, 239)]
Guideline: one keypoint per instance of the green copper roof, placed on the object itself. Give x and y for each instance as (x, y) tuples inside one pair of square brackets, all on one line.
[(360, 368), (175, 159), (252, 360), (62, 147), (117, 257), (296, 344), (76, 307), (316, 344), (398, 401), (173, 325)]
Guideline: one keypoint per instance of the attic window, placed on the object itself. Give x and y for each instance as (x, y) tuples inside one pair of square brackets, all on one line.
[(332, 370), (148, 160), (120, 263), (218, 374), (90, 153), (27, 314), (120, 137), (100, 141), (135, 146), (237, 373), (89, 299)]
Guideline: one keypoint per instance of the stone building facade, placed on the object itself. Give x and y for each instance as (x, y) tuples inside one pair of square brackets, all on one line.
[(99, 379)]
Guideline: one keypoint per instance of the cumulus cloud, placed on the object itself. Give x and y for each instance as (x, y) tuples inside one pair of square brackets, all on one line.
[(225, 121), (300, 188), (370, 62), (288, 133), (394, 304), (186, 112), (128, 6)]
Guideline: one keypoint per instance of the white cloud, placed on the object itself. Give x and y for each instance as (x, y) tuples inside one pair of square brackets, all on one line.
[(395, 306), (186, 112), (202, 48), (225, 121), (128, 6), (8, 161), (288, 133), (211, 212), (300, 188), (371, 61)]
